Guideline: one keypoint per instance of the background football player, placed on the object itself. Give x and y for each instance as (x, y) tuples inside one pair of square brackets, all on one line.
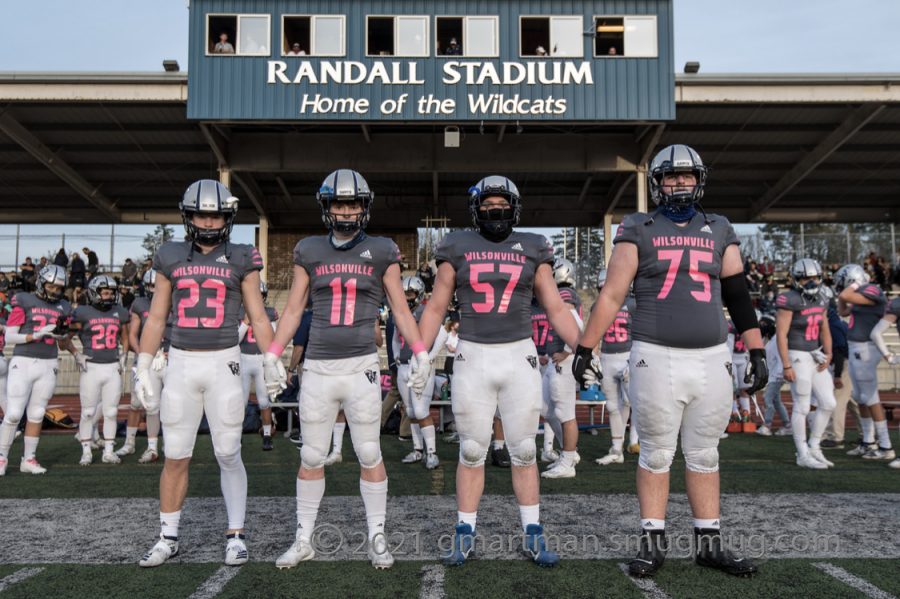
[(891, 317), (252, 367)]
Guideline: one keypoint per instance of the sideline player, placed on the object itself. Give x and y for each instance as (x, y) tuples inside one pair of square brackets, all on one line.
[(495, 271), (891, 317), (203, 280), (252, 367), (804, 346), (540, 331), (347, 274), (37, 321), (101, 325), (684, 264)]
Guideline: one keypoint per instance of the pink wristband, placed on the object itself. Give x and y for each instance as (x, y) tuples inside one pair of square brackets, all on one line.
[(275, 348), (418, 347)]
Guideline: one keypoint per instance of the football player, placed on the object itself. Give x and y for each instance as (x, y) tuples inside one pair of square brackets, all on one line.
[(772, 394), (347, 274), (684, 265), (614, 351), (495, 271), (865, 304), (540, 332), (203, 280), (804, 346), (741, 403), (37, 326), (561, 386), (891, 317), (252, 367), (101, 325)]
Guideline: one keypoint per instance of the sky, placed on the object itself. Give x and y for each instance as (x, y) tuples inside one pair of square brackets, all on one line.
[(763, 36)]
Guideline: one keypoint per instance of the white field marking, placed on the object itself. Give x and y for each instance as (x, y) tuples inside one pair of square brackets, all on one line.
[(18, 576), (213, 585), (866, 588), (651, 591), (432, 582)]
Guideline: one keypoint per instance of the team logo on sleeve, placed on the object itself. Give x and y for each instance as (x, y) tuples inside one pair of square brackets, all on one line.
[(533, 361), (235, 368), (372, 376)]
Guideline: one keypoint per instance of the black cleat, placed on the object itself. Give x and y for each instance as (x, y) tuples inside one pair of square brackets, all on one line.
[(267, 443), (295, 437), (652, 554), (500, 457), (711, 554)]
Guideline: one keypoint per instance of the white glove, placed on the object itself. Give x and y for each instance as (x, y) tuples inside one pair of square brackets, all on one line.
[(122, 359), (81, 360), (159, 361), (893, 359), (819, 356), (142, 388), (626, 374), (590, 374), (420, 372), (274, 374), (45, 331)]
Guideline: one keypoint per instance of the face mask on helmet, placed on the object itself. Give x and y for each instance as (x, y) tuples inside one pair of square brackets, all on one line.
[(414, 289), (208, 198), (496, 220), (340, 187), (51, 292)]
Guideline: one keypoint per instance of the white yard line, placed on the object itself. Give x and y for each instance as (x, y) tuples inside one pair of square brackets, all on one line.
[(215, 583), (432, 582), (651, 591), (17, 577), (866, 588)]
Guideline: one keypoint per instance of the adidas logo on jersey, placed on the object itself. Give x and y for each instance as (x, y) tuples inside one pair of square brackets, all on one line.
[(641, 364), (222, 259), (366, 254), (518, 247), (705, 229)]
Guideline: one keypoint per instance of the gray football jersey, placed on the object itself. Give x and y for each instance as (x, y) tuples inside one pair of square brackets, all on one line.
[(808, 316), (405, 354), (894, 308), (31, 314), (677, 289), (864, 318), (554, 342), (540, 327), (347, 292), (494, 282), (248, 343), (141, 307), (100, 332), (206, 291), (617, 339)]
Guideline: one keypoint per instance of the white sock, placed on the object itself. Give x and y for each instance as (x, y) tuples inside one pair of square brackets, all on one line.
[(168, 523), (467, 518), (568, 457), (745, 403), (653, 524), (153, 443), (374, 496), (309, 496), (267, 430), (416, 435), (499, 444), (108, 446), (337, 437), (548, 437), (884, 438), (820, 422), (798, 428), (707, 524), (31, 444), (617, 445), (130, 434), (530, 514), (233, 479), (428, 438), (85, 447), (153, 425), (868, 429)]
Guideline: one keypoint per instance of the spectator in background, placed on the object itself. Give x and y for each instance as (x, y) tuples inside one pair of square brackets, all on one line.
[(767, 268), (93, 263), (453, 49), (4, 283), (61, 258), (834, 432), (427, 275), (77, 276), (129, 272), (296, 50), (754, 278), (42, 263), (223, 46), (27, 271), (612, 51), (882, 271)]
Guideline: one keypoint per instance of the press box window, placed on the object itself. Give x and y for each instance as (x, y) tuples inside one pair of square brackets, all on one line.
[(315, 35), (632, 37), (551, 36), (474, 36), (397, 36), (238, 35)]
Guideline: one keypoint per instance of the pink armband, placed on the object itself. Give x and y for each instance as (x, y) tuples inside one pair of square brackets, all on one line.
[(276, 348), (418, 347)]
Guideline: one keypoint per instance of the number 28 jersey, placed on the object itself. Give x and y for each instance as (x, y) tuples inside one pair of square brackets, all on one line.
[(347, 292), (206, 291), (807, 316), (494, 282), (677, 289), (100, 332)]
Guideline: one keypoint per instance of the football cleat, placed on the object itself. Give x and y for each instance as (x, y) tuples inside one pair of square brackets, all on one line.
[(862, 449), (165, 548), (634, 448), (500, 457), (818, 455), (379, 554), (894, 464), (807, 461), (294, 437), (432, 461), (87, 459), (126, 449), (412, 457), (764, 431), (559, 470), (3, 464), (652, 553), (236, 550), (613, 457), (452, 438), (711, 554), (535, 547), (110, 458), (723, 435), (784, 431), (300, 551), (832, 444), (149, 456), (31, 466), (463, 546), (880, 453), (548, 456), (267, 443), (335, 457)]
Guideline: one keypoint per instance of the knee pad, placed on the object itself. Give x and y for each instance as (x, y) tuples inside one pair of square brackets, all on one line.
[(11, 419), (657, 461), (35, 413), (312, 458), (702, 460), (369, 454), (135, 404), (801, 408), (111, 412), (523, 454), (230, 462), (472, 453), (263, 401), (88, 413)]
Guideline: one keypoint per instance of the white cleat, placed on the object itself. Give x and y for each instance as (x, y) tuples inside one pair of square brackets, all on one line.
[(862, 449), (432, 461), (31, 466), (110, 458), (548, 456), (894, 464), (559, 470), (880, 454), (3, 464), (412, 457), (159, 553), (819, 456), (236, 552), (613, 457), (379, 554), (86, 459), (807, 461), (764, 431), (784, 431), (335, 457), (125, 450), (300, 551), (149, 456)]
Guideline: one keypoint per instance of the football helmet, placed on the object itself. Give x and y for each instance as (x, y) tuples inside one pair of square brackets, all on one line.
[(264, 290), (601, 279), (564, 272), (51, 275), (677, 158), (767, 325), (345, 185), (849, 274), (417, 286), (806, 268), (495, 223), (94, 295), (149, 282), (209, 197)]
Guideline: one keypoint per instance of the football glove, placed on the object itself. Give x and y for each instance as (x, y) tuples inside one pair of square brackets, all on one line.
[(757, 374), (142, 387), (420, 371), (274, 374), (45, 331), (586, 367), (159, 361), (81, 360)]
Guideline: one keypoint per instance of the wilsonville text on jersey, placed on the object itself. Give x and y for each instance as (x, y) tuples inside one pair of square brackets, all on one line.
[(351, 269)]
